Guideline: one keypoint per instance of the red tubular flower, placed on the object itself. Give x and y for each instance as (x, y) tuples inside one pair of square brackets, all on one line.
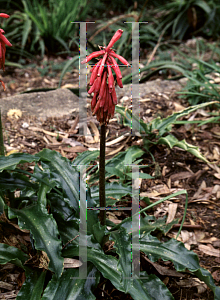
[(3, 42), (102, 80)]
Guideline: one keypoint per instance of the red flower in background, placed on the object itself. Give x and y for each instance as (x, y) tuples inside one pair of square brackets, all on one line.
[(3, 42), (102, 80)]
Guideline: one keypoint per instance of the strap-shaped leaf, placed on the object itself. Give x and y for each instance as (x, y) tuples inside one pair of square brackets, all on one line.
[(114, 191), (2, 205), (171, 251), (85, 158), (13, 181), (32, 288), (123, 248), (10, 162), (157, 289), (12, 254), (44, 229), (65, 175), (69, 287)]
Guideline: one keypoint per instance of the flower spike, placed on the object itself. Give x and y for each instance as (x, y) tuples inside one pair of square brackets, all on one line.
[(102, 80)]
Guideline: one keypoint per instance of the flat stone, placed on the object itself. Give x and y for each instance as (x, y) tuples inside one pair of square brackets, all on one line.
[(157, 86), (54, 103)]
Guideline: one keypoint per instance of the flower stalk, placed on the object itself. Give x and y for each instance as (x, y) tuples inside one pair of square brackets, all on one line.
[(104, 100)]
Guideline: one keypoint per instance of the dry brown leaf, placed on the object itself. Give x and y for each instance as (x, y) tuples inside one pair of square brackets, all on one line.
[(188, 238), (95, 131), (72, 263), (199, 191), (209, 250), (89, 138), (172, 208), (181, 175), (117, 140), (201, 286)]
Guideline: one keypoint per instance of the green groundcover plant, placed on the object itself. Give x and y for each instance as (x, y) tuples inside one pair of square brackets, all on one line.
[(48, 206)]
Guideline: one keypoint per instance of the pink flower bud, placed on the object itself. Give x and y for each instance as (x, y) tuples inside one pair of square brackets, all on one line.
[(103, 86), (110, 78), (94, 73), (93, 55), (101, 68), (4, 15), (114, 39), (116, 68), (122, 59)]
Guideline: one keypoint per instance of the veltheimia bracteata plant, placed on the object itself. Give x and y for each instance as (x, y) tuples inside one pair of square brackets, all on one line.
[(102, 80)]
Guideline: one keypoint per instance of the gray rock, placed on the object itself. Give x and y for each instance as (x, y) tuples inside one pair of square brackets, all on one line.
[(62, 101), (42, 104), (155, 86)]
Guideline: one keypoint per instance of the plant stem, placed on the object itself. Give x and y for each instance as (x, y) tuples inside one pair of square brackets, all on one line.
[(2, 149), (102, 201)]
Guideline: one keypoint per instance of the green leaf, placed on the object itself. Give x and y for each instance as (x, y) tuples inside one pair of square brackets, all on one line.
[(139, 175), (114, 192), (10, 162), (123, 248), (107, 265), (85, 158), (44, 229), (205, 276), (115, 171), (2, 205), (139, 292), (13, 255), (171, 142), (164, 124), (157, 288), (171, 251), (13, 181), (32, 288), (69, 287), (64, 174)]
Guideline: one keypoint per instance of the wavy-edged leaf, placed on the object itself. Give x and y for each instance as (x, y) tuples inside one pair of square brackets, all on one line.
[(171, 141), (32, 288), (85, 158), (69, 287), (13, 255), (44, 229), (163, 125), (205, 276), (139, 292), (65, 175), (114, 191), (123, 248), (10, 162), (13, 181), (157, 288), (106, 264), (171, 251)]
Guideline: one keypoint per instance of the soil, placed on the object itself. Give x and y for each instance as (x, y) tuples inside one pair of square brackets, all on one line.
[(173, 170)]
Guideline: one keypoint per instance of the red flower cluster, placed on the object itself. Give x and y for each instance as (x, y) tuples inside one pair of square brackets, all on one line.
[(3, 42), (102, 80)]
